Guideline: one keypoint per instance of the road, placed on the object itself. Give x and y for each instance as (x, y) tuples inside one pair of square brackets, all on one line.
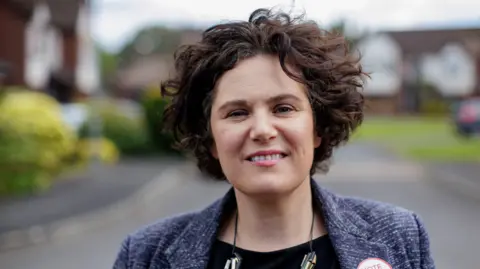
[(453, 221)]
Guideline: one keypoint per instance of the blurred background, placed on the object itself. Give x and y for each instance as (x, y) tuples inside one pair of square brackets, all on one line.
[(83, 160)]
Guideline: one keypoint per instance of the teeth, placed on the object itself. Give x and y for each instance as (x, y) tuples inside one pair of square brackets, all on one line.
[(266, 157)]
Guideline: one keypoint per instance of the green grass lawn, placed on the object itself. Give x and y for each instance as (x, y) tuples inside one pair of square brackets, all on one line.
[(426, 139)]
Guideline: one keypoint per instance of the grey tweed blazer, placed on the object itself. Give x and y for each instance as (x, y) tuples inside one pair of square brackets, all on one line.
[(359, 229)]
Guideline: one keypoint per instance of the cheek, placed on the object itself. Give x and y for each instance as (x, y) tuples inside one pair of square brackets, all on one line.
[(301, 133), (228, 141), (300, 141)]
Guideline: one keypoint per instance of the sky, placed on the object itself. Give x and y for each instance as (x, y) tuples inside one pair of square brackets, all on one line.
[(116, 21)]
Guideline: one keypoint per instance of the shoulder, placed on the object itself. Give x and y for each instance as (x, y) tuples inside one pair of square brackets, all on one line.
[(375, 212), (362, 215), (162, 242), (151, 241), (383, 215), (162, 232)]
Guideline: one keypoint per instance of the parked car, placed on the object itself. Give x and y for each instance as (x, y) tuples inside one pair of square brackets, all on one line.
[(466, 116)]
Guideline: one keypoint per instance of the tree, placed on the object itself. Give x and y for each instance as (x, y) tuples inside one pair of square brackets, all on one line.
[(151, 40), (108, 62)]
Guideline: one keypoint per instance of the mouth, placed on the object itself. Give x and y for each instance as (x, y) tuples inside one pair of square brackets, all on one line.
[(266, 158)]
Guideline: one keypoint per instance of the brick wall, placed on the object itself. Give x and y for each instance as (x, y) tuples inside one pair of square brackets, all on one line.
[(69, 50), (12, 40), (381, 105)]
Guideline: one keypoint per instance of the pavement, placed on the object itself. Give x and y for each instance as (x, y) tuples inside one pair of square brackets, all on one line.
[(74, 200), (461, 177), (363, 170)]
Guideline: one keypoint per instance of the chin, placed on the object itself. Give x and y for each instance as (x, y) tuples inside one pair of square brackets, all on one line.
[(266, 184)]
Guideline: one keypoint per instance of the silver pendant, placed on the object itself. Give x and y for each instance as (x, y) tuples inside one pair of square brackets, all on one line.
[(234, 263), (227, 265), (309, 261)]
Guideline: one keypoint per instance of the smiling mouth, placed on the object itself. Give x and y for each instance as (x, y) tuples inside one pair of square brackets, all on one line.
[(266, 158)]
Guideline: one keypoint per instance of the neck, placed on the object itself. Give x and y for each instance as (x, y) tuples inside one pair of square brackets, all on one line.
[(276, 223)]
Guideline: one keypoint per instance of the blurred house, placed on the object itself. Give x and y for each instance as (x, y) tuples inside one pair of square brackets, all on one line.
[(141, 73), (148, 69), (46, 45), (403, 63)]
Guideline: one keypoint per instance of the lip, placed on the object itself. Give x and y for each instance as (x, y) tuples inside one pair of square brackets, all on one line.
[(266, 163), (265, 152)]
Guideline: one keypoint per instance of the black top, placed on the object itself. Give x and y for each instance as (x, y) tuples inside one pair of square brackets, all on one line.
[(289, 258)]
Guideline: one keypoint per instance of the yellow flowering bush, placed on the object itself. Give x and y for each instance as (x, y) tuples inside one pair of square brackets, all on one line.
[(102, 149), (34, 141)]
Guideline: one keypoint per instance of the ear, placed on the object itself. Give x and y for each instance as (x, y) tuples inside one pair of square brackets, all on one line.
[(213, 151), (317, 141)]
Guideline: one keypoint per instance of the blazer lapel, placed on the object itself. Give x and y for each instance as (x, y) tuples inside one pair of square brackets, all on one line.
[(349, 233)]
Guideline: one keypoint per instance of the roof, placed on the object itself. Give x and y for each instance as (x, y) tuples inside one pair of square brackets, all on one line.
[(145, 71), (424, 41), (64, 12)]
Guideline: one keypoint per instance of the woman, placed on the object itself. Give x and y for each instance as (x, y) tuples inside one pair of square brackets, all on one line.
[(262, 104)]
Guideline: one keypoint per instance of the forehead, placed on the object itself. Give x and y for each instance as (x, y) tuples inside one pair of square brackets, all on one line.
[(256, 78)]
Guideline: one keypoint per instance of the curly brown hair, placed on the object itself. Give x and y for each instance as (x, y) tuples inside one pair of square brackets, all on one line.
[(331, 74)]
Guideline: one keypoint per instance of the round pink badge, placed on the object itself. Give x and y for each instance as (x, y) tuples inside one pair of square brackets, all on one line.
[(374, 263)]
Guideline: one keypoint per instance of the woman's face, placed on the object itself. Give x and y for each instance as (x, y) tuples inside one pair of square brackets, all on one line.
[(263, 129)]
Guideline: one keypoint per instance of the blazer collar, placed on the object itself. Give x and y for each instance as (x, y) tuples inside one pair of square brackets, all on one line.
[(349, 233)]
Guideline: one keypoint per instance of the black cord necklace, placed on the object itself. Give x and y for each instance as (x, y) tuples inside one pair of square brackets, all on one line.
[(309, 260)]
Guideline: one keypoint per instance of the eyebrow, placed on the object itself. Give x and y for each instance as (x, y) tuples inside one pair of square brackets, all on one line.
[(273, 99)]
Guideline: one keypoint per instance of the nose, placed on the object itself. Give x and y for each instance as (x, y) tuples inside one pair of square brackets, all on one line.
[(262, 128)]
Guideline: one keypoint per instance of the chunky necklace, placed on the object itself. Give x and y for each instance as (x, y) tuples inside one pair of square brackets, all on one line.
[(309, 260)]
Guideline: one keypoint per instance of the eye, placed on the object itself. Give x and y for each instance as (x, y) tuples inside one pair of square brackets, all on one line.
[(284, 109), (237, 113)]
